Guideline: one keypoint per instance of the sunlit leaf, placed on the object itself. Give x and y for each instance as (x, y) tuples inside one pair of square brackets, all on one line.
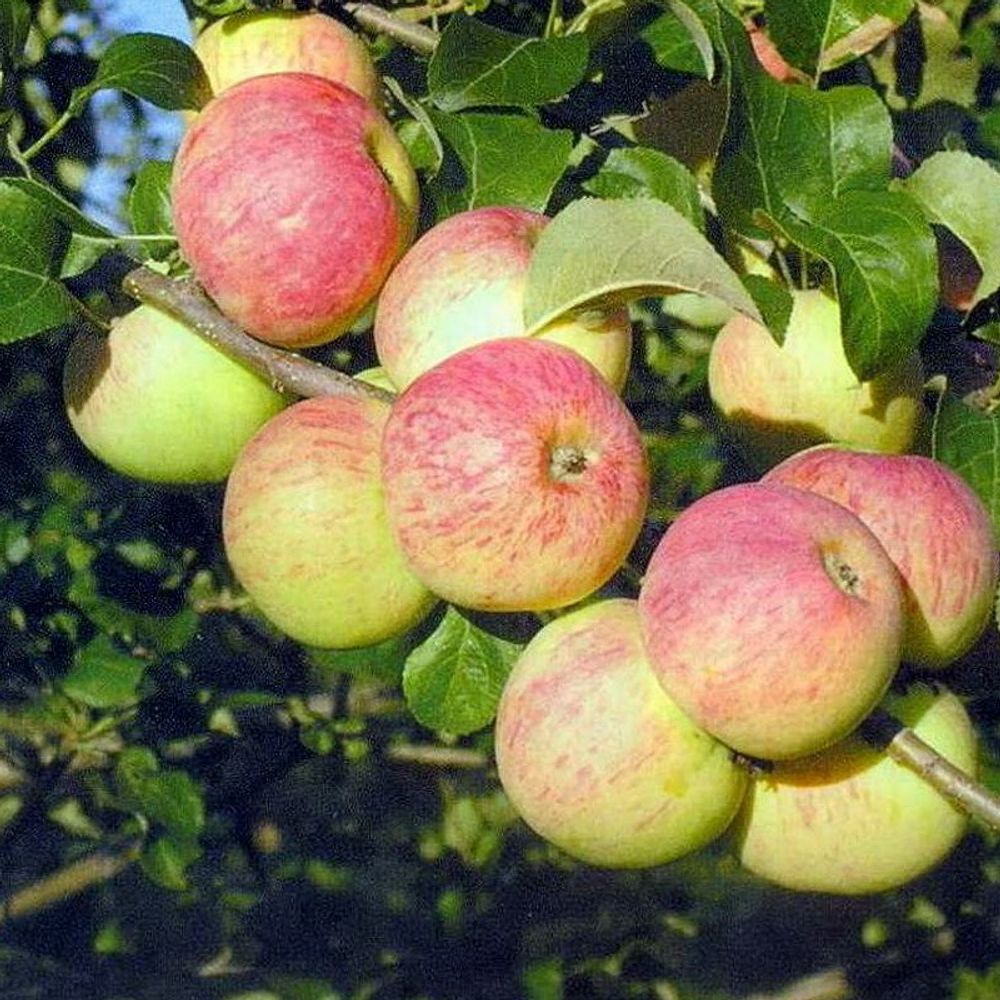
[(452, 681), (476, 64), (599, 250)]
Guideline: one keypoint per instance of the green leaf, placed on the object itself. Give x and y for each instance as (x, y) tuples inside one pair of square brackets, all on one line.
[(149, 208), (15, 22), (817, 35), (166, 861), (774, 302), (475, 64), (154, 67), (961, 192), (419, 136), (639, 172), (968, 441), (171, 799), (884, 258), (672, 46), (383, 661), (452, 681), (788, 150), (102, 676), (485, 145), (33, 245), (88, 241), (596, 250)]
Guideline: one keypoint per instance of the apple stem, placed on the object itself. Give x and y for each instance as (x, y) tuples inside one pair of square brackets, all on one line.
[(905, 747), (287, 372)]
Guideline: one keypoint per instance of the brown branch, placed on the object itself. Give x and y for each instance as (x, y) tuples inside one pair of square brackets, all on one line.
[(375, 19), (905, 747), (290, 373), (66, 883), (426, 11)]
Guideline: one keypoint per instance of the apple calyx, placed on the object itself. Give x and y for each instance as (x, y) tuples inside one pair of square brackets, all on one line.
[(567, 463), (842, 573)]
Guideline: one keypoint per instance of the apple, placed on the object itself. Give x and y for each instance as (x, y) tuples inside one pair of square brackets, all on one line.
[(597, 759), (778, 400), (462, 283), (155, 401), (773, 617), (249, 44), (292, 199), (305, 529), (934, 528), (851, 820), (515, 478)]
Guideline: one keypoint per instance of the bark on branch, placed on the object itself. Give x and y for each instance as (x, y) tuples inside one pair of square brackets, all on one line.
[(287, 372)]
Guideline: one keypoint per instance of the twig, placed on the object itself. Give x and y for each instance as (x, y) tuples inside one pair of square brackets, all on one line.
[(67, 882), (287, 372), (905, 747), (375, 19), (430, 755), (831, 984), (429, 10)]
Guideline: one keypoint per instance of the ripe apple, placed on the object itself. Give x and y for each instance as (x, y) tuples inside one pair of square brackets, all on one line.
[(515, 478), (935, 530), (597, 759), (292, 200), (850, 819), (462, 283), (155, 401), (305, 530), (773, 617), (777, 400), (248, 44)]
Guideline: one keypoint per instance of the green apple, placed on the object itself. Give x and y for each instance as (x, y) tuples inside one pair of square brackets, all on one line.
[(253, 43), (597, 759), (851, 820), (155, 401), (777, 400), (306, 532)]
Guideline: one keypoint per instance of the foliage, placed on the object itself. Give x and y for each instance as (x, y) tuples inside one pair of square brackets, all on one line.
[(291, 822)]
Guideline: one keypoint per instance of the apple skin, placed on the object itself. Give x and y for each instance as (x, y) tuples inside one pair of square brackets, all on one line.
[(515, 478), (778, 400), (250, 44), (597, 759), (305, 529), (850, 820), (283, 208), (156, 402), (462, 283), (934, 528), (773, 617)]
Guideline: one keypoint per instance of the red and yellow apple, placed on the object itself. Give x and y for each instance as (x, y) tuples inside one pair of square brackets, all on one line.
[(773, 617), (305, 528), (777, 400), (462, 283), (934, 528), (851, 820), (255, 43), (292, 199), (155, 401), (597, 759), (515, 478)]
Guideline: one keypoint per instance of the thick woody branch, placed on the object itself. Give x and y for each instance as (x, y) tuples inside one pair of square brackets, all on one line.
[(905, 747), (289, 373)]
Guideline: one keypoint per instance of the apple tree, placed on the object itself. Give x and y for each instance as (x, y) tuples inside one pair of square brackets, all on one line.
[(361, 639)]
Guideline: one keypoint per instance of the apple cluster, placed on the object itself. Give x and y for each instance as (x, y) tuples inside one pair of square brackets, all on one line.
[(509, 476), (771, 621)]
